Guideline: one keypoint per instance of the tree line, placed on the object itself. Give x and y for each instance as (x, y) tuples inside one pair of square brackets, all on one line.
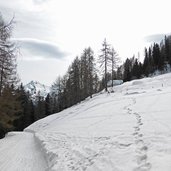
[(157, 58), (82, 79), (9, 106), (17, 110)]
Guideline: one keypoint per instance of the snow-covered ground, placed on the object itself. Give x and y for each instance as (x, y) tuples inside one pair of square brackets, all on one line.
[(20, 152), (128, 130)]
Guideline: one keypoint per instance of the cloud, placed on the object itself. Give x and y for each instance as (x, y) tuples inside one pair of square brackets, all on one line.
[(39, 49), (40, 1), (154, 38)]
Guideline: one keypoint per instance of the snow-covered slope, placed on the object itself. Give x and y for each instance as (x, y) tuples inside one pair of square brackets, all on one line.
[(37, 89), (128, 130)]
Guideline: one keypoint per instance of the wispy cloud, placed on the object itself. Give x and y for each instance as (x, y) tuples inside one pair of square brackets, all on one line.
[(154, 38), (39, 49)]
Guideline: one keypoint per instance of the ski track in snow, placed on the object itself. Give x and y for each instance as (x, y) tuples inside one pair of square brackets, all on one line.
[(20, 152)]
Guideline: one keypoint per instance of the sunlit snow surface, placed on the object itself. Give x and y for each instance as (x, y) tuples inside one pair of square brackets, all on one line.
[(128, 130)]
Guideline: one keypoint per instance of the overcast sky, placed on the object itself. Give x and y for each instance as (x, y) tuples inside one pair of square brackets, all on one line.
[(51, 33)]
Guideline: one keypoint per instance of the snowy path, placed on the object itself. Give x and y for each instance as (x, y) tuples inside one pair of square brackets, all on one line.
[(20, 152)]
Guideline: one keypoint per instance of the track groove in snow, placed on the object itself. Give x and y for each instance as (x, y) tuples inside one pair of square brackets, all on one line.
[(20, 152)]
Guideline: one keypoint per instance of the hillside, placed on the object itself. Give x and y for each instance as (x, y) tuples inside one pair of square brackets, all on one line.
[(128, 130)]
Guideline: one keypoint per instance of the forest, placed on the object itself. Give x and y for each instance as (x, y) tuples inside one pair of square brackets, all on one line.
[(85, 76)]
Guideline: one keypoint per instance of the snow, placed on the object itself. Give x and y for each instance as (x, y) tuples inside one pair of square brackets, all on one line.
[(37, 89), (19, 151), (128, 130)]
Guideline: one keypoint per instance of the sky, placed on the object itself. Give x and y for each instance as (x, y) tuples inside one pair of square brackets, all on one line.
[(51, 33)]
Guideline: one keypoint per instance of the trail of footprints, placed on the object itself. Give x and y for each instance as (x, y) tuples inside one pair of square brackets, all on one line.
[(141, 148)]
